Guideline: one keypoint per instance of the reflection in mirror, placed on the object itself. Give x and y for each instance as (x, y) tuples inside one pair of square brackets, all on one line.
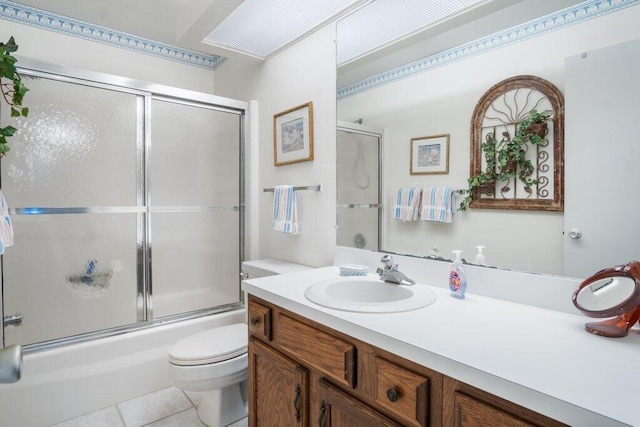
[(358, 182), (436, 94), (606, 293), (611, 292)]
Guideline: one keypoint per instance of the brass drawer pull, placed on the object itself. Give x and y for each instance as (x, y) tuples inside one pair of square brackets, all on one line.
[(254, 321)]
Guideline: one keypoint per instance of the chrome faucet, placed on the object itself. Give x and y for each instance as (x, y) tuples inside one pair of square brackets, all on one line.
[(391, 274), (10, 364)]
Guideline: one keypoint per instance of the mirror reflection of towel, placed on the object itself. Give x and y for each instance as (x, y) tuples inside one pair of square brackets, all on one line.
[(285, 210), (437, 204), (407, 207), (6, 229)]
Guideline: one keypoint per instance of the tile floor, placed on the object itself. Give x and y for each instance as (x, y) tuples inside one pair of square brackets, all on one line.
[(169, 407)]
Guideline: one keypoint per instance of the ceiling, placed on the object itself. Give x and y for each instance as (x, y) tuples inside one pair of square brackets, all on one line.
[(186, 23)]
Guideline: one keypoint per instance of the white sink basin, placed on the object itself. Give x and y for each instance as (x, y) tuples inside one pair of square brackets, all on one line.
[(369, 295)]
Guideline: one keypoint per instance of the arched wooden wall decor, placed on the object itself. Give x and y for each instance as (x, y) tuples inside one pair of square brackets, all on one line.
[(498, 113)]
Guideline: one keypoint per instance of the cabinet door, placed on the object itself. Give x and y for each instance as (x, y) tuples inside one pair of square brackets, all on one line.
[(403, 392), (466, 406), (278, 388), (338, 409)]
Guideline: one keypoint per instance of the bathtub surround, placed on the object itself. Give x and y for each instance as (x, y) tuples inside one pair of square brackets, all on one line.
[(67, 382)]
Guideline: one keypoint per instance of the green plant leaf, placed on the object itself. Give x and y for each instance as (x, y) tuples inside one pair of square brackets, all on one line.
[(7, 69), (7, 131), (10, 46), (15, 90)]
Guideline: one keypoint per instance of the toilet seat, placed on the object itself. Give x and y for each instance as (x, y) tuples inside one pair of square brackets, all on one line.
[(211, 346)]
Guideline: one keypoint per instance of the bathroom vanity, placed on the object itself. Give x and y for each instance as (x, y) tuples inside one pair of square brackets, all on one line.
[(478, 361)]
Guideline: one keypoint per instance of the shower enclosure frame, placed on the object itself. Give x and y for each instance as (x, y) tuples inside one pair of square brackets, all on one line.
[(360, 129), (147, 91)]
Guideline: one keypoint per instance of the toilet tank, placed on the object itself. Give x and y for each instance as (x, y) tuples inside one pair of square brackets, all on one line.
[(269, 267)]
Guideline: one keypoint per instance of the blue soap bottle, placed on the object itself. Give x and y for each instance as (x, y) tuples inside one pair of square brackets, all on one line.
[(457, 277)]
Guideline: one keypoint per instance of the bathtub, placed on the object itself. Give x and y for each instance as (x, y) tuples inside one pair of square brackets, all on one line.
[(64, 383)]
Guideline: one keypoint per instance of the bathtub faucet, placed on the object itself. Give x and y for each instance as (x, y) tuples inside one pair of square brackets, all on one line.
[(389, 273), (10, 364)]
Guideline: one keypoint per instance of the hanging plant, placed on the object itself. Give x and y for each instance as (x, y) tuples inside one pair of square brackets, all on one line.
[(13, 90), (506, 158)]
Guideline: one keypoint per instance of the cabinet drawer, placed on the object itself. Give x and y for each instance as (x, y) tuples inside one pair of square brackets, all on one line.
[(403, 392), (329, 355), (259, 317)]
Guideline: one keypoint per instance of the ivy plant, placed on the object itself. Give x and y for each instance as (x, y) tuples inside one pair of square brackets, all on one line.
[(507, 158), (12, 88)]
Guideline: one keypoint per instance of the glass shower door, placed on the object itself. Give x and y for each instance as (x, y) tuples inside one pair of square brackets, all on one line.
[(71, 179), (358, 182), (194, 199)]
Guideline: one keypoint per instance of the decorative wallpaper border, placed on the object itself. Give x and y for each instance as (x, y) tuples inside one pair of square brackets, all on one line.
[(43, 19), (554, 21)]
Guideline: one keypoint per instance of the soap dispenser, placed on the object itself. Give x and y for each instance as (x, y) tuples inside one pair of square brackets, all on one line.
[(457, 277), (479, 260)]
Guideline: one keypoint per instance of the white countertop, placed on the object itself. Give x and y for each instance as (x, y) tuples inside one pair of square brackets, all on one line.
[(538, 358)]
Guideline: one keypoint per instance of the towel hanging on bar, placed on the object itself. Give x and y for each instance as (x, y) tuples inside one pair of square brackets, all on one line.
[(437, 204), (285, 210), (407, 205), (6, 228)]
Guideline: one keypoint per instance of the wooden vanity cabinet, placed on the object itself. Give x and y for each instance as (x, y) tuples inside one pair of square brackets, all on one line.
[(278, 388), (338, 409), (467, 406), (341, 381), (302, 373)]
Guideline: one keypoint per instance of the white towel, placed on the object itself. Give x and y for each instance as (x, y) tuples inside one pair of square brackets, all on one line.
[(6, 229), (285, 211), (407, 205), (437, 204)]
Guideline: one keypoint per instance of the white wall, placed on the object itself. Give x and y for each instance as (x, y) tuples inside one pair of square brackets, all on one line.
[(442, 101), (79, 53), (304, 72)]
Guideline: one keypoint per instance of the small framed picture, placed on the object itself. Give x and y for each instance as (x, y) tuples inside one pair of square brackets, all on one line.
[(293, 135), (430, 155)]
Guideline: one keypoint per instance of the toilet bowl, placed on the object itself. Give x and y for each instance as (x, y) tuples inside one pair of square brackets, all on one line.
[(214, 362)]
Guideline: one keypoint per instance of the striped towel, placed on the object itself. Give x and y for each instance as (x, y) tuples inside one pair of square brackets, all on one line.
[(437, 204), (407, 205), (6, 229), (285, 211)]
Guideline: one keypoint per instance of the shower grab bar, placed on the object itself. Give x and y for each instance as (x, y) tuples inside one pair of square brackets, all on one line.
[(302, 187)]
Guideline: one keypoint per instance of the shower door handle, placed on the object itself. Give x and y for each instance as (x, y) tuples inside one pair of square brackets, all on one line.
[(15, 320)]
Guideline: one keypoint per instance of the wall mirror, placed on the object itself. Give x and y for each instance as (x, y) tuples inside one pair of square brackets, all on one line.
[(359, 190), (382, 89)]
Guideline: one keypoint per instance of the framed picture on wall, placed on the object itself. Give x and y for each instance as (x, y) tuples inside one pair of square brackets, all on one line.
[(430, 155), (293, 135)]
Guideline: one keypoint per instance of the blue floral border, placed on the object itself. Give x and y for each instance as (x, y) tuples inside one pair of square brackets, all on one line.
[(563, 18), (39, 18)]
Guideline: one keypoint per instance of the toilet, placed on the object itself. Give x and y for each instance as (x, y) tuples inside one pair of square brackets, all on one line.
[(215, 361)]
